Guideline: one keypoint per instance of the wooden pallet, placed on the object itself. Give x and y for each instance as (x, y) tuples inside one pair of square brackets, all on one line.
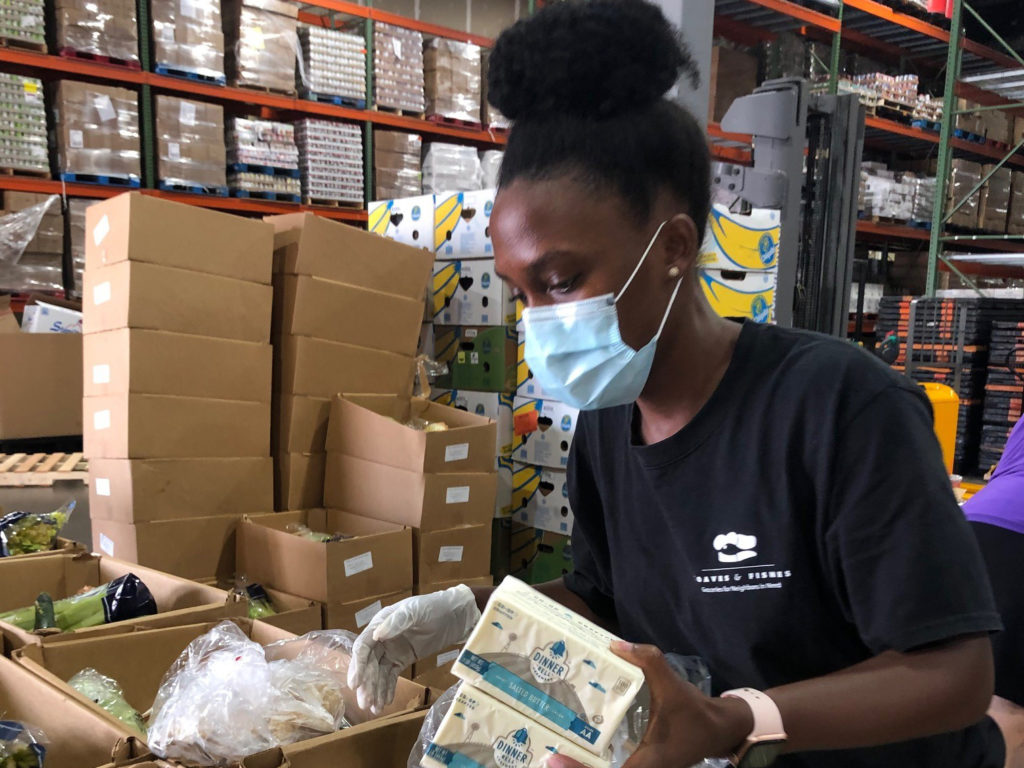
[(325, 203), (36, 174), (28, 45), (400, 111), (41, 469)]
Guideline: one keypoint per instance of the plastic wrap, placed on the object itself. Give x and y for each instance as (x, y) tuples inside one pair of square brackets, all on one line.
[(331, 160), (1015, 220), (451, 75), (124, 598), (451, 168), (97, 129), (22, 124), (397, 164), (398, 68), (785, 56), (31, 244), (227, 697), (884, 193), (261, 43), (994, 201), (190, 143), (106, 692), (21, 745), (490, 167), (964, 176), (76, 230), (100, 27), (23, 533), (489, 114), (22, 20), (262, 142), (334, 62), (924, 198), (188, 36)]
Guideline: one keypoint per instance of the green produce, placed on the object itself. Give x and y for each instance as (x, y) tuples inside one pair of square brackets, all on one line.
[(45, 618), (22, 533), (260, 605), (106, 692), (126, 597), (19, 746)]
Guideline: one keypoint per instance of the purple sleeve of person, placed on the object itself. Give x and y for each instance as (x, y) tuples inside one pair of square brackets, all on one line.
[(1001, 502)]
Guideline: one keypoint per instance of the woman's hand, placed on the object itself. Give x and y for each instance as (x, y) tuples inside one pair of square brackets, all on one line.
[(685, 726)]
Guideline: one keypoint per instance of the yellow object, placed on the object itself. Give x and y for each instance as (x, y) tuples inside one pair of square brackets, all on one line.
[(946, 410), (446, 217), (740, 294), (744, 242)]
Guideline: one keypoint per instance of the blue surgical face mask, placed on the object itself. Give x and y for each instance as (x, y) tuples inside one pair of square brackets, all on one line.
[(576, 352)]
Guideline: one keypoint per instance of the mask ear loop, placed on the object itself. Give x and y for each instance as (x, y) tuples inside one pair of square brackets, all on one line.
[(641, 262), (668, 309)]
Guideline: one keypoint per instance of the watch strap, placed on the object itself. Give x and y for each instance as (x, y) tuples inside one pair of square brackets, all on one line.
[(768, 726)]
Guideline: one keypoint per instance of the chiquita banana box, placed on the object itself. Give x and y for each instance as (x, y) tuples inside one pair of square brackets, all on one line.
[(481, 732), (409, 220), (462, 225), (550, 664), (740, 294), (741, 241)]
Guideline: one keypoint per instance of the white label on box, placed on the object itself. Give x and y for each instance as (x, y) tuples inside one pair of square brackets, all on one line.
[(365, 616), (450, 555), (29, 20), (358, 564), (173, 150), (105, 108), (188, 8), (76, 139), (471, 333), (106, 545), (101, 374), (448, 657), (101, 420), (456, 452), (102, 486), (396, 46), (458, 494), (101, 230), (101, 293), (187, 113)]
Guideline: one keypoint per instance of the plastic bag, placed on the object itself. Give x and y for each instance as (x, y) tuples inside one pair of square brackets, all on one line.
[(22, 533), (227, 697), (126, 597), (260, 604), (18, 229), (106, 692), (21, 745), (300, 529)]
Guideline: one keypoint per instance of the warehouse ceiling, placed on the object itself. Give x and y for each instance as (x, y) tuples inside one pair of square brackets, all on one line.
[(1004, 16)]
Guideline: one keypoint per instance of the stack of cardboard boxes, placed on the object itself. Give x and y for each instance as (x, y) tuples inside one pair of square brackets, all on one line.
[(262, 39), (994, 200), (177, 378), (188, 38), (396, 164), (104, 28), (964, 176), (39, 267), (451, 73), (96, 130), (190, 145)]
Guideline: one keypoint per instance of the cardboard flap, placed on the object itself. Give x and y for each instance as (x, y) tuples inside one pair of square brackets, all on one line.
[(8, 322)]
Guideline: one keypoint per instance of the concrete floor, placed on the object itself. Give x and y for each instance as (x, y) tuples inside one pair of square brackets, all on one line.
[(44, 499)]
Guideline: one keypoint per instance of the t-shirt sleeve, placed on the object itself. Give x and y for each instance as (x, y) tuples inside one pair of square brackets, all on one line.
[(900, 554), (591, 575)]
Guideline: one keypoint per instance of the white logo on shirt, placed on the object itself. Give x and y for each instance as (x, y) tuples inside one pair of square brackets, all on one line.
[(735, 547)]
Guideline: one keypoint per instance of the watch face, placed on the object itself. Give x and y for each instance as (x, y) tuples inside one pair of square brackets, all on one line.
[(761, 755)]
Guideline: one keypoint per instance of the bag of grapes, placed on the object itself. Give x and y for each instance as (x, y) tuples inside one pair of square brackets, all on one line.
[(24, 533)]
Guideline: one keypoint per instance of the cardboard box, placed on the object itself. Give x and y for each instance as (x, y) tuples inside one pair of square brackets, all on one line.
[(52, 316), (134, 294), (192, 547), (733, 74), (544, 430), (299, 424), (452, 554), (61, 546), (319, 368), (305, 244), (1018, 131), (503, 501), (374, 428), (409, 220), (293, 614), (153, 490), (553, 560), (299, 480), (964, 177), (740, 294), (526, 384), (178, 601), (353, 616), (994, 203), (136, 227), (312, 306), (167, 427), (161, 363), (436, 671), (480, 358), (96, 127), (422, 500), (540, 498), (741, 241), (492, 405), (470, 293), (440, 586), (462, 225), (45, 399), (375, 560)]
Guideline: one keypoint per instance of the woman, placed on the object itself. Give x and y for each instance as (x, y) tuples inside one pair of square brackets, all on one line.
[(771, 500)]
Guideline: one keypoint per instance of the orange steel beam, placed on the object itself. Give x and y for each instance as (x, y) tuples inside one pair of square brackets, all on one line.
[(795, 11), (715, 131), (739, 32), (894, 231), (361, 11), (80, 67)]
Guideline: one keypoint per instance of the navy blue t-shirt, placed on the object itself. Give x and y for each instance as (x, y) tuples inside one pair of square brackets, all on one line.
[(802, 522)]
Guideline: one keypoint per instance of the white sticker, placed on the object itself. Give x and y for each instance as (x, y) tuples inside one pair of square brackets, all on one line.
[(102, 486), (107, 545), (448, 657), (76, 139), (450, 555), (104, 107), (101, 374), (174, 150), (365, 616), (101, 230), (358, 564), (188, 8), (101, 293), (396, 46), (456, 452), (29, 20), (187, 113), (471, 333), (101, 420), (458, 494)]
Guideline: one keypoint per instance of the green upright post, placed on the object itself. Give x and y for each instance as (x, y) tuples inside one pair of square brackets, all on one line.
[(368, 179), (147, 129), (953, 59), (833, 69)]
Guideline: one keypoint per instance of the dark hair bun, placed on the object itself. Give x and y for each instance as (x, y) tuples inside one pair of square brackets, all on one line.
[(588, 59)]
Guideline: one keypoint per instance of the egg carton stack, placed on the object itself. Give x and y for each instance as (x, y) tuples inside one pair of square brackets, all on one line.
[(22, 25), (263, 159), (22, 125), (333, 66), (330, 162), (398, 69)]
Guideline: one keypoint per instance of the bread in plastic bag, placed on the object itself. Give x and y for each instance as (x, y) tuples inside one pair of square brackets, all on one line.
[(227, 697)]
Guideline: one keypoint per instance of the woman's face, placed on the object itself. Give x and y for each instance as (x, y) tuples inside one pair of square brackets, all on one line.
[(557, 241)]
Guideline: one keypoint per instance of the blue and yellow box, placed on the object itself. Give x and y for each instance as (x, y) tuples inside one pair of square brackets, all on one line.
[(408, 220), (481, 358), (462, 225), (467, 292), (543, 431), (493, 405), (741, 241), (526, 384), (540, 498), (741, 294)]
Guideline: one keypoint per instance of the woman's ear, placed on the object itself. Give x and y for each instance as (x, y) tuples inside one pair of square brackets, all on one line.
[(680, 244)]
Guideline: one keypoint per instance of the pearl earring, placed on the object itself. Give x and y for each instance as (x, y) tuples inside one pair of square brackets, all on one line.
[(673, 271)]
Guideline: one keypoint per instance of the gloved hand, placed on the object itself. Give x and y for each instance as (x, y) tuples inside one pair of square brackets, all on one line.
[(403, 633)]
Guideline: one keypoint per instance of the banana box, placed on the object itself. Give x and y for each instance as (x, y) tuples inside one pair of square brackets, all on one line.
[(553, 560), (741, 241), (481, 358), (543, 431), (526, 384), (469, 293), (741, 294), (462, 225), (540, 498), (408, 220), (492, 405), (503, 504)]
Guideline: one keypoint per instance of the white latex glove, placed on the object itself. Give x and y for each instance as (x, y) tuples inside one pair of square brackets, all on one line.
[(406, 632)]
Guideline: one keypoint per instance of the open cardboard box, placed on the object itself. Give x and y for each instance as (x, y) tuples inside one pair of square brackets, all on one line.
[(354, 615), (61, 546), (376, 560), (454, 554), (178, 601), (139, 660), (291, 613)]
